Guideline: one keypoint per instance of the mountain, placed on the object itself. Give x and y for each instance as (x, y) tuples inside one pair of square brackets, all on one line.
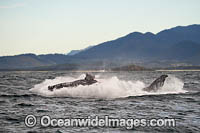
[(18, 61), (180, 33), (184, 50), (74, 52), (31, 60), (170, 47), (178, 42)]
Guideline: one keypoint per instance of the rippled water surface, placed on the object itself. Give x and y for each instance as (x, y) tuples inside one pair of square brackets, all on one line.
[(118, 95)]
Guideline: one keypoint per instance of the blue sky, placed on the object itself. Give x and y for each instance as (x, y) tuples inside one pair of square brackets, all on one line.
[(59, 26)]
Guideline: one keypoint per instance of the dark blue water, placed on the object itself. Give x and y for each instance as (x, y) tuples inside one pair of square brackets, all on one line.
[(17, 101)]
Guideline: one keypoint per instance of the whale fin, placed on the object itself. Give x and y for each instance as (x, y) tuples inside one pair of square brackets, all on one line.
[(157, 84)]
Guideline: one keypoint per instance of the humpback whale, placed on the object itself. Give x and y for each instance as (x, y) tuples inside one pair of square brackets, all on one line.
[(157, 84), (89, 80)]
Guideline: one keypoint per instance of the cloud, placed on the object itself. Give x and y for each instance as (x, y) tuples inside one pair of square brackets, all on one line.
[(12, 6)]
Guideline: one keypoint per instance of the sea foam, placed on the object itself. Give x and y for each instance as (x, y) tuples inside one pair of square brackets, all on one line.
[(107, 88)]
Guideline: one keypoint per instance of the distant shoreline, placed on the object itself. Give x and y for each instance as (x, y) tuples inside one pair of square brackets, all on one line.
[(102, 71), (179, 70)]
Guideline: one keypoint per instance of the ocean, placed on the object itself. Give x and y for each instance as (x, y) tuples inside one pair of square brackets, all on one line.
[(117, 95)]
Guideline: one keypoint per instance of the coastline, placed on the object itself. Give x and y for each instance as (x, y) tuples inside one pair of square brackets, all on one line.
[(178, 70)]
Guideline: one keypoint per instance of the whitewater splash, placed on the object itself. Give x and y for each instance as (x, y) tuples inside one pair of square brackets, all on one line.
[(106, 88)]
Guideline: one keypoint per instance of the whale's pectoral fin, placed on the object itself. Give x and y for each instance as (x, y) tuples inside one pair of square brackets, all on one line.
[(58, 86), (157, 84)]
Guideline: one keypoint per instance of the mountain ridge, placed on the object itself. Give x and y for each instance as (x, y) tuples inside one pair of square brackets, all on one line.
[(143, 44), (179, 44)]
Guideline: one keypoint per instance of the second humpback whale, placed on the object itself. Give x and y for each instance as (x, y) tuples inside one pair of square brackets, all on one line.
[(157, 84), (89, 80)]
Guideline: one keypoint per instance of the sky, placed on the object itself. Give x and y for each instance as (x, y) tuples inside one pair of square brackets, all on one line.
[(59, 26)]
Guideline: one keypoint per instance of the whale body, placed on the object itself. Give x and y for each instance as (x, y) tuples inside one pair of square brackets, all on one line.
[(89, 80)]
